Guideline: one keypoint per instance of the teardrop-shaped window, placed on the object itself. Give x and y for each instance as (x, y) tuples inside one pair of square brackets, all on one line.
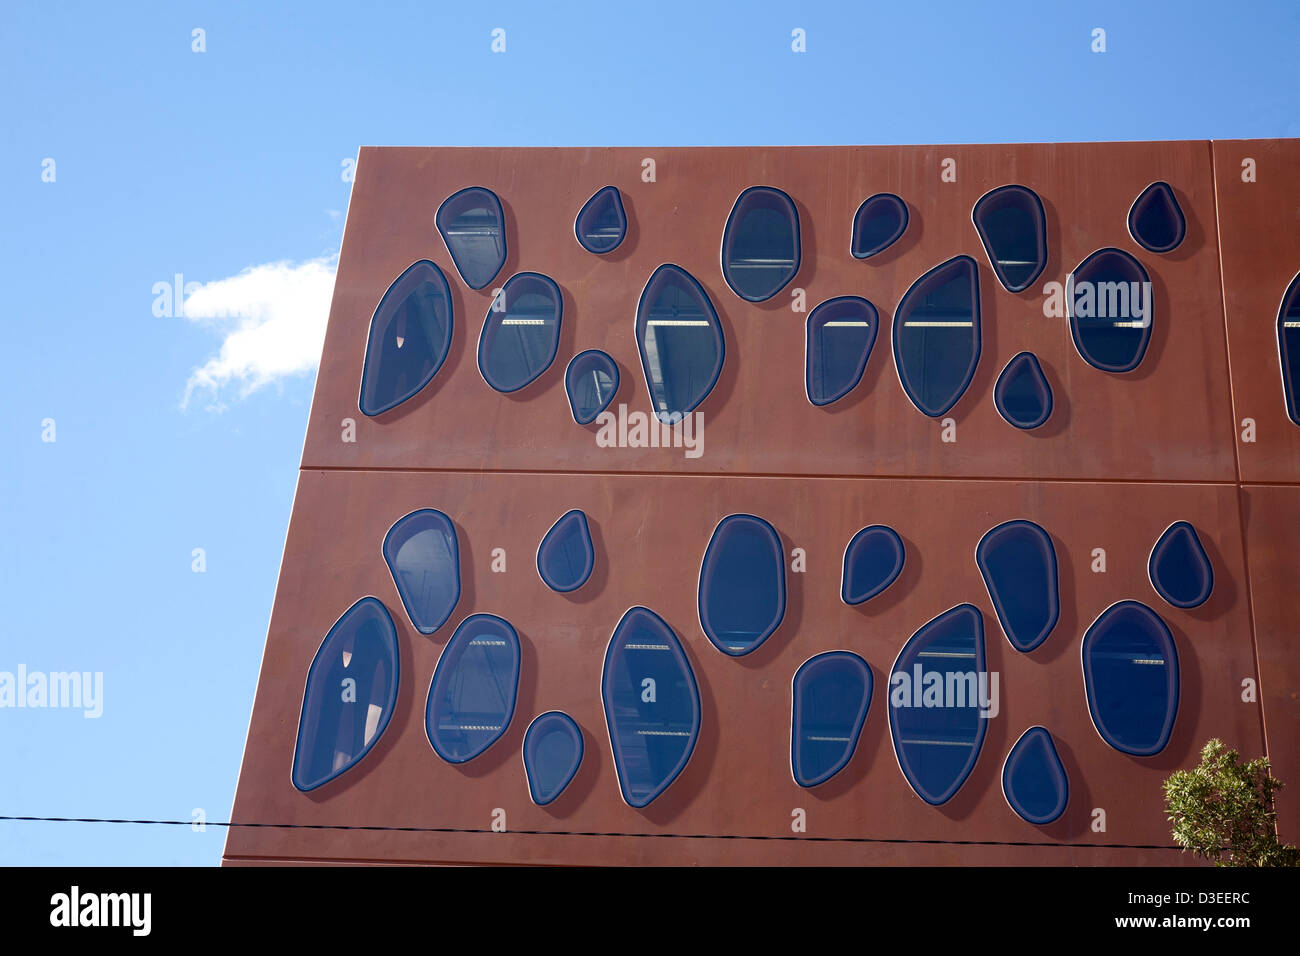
[(879, 223), (565, 557), (1033, 778), (1110, 304), (937, 335), (1156, 220), (760, 247), (410, 334), (350, 696), (602, 221), (680, 339), (1179, 568), (1013, 227), (840, 335), (831, 696), (1130, 674), (1022, 395), (872, 561), (1288, 348), (472, 696), (423, 555), (742, 584), (553, 751), (938, 685), (473, 226), (590, 381), (521, 332), (1018, 563), (652, 705)]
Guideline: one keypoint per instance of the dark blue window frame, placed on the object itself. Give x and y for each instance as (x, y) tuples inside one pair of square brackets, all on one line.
[(1054, 768), (976, 321), (493, 204), (881, 586), (1162, 193), (1145, 339), (1044, 540), (706, 623), (1187, 532), (825, 313), (552, 716), (589, 356), (1036, 371), (729, 237), (494, 320), (1173, 677), (588, 547), (797, 734), (1288, 348), (391, 551), (880, 245), (604, 194), (462, 635), (979, 216), (386, 301), (659, 277)]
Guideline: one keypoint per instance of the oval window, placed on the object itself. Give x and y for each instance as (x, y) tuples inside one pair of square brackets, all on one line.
[(840, 336), (423, 554), (410, 334), (1022, 395), (742, 584), (521, 332), (872, 561), (553, 751), (1110, 307), (1156, 220), (602, 222), (937, 335), (831, 696), (879, 223), (472, 695), (1018, 564), (565, 557), (1130, 675), (1033, 778), (590, 381), (680, 340), (1288, 348), (473, 225), (1179, 568), (760, 246), (1013, 227)]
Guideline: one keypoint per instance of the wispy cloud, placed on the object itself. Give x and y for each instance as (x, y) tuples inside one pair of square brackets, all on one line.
[(272, 322)]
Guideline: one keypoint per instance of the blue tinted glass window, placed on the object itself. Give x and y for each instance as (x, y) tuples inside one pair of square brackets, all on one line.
[(831, 695), (1109, 300), (473, 226), (841, 333), (1130, 673), (742, 584), (1013, 227), (680, 339), (1018, 563), (879, 222), (760, 247), (1179, 568), (937, 335), (652, 705), (590, 381), (1033, 778), (565, 557), (410, 334), (521, 332), (423, 555), (553, 751), (872, 561), (350, 695), (1288, 347), (472, 696), (602, 222), (1156, 220), (936, 688), (1022, 395)]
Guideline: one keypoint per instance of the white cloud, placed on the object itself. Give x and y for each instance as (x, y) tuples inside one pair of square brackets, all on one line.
[(272, 322)]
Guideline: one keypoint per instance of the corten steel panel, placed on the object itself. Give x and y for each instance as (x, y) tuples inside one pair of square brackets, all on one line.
[(1259, 236), (1169, 419), (650, 534), (1272, 523)]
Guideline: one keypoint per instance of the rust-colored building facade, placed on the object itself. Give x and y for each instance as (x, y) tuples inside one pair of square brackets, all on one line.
[(1197, 432)]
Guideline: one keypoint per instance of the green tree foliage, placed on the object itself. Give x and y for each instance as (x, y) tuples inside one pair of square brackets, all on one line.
[(1223, 810)]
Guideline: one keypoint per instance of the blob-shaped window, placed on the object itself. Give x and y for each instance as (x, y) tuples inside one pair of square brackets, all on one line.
[(423, 554), (872, 561), (1288, 348), (840, 335), (1130, 674), (602, 222), (350, 696), (521, 332), (1013, 227), (410, 334), (680, 339), (565, 557), (831, 695), (939, 693), (937, 335), (1156, 220), (1033, 778), (1179, 568), (760, 247), (472, 696), (879, 223), (742, 584), (553, 751), (652, 705), (1022, 395), (1110, 304), (473, 226), (1018, 563), (590, 381)]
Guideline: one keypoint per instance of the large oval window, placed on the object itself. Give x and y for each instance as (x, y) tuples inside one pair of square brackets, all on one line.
[(1130, 674), (831, 695), (350, 696), (680, 340), (410, 334), (937, 335), (423, 555), (521, 332), (602, 222), (840, 336), (1013, 227), (742, 584), (472, 695), (473, 226), (1288, 347), (760, 247), (1018, 564), (1109, 300)]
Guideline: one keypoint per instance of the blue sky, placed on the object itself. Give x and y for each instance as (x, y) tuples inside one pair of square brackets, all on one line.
[(180, 432)]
